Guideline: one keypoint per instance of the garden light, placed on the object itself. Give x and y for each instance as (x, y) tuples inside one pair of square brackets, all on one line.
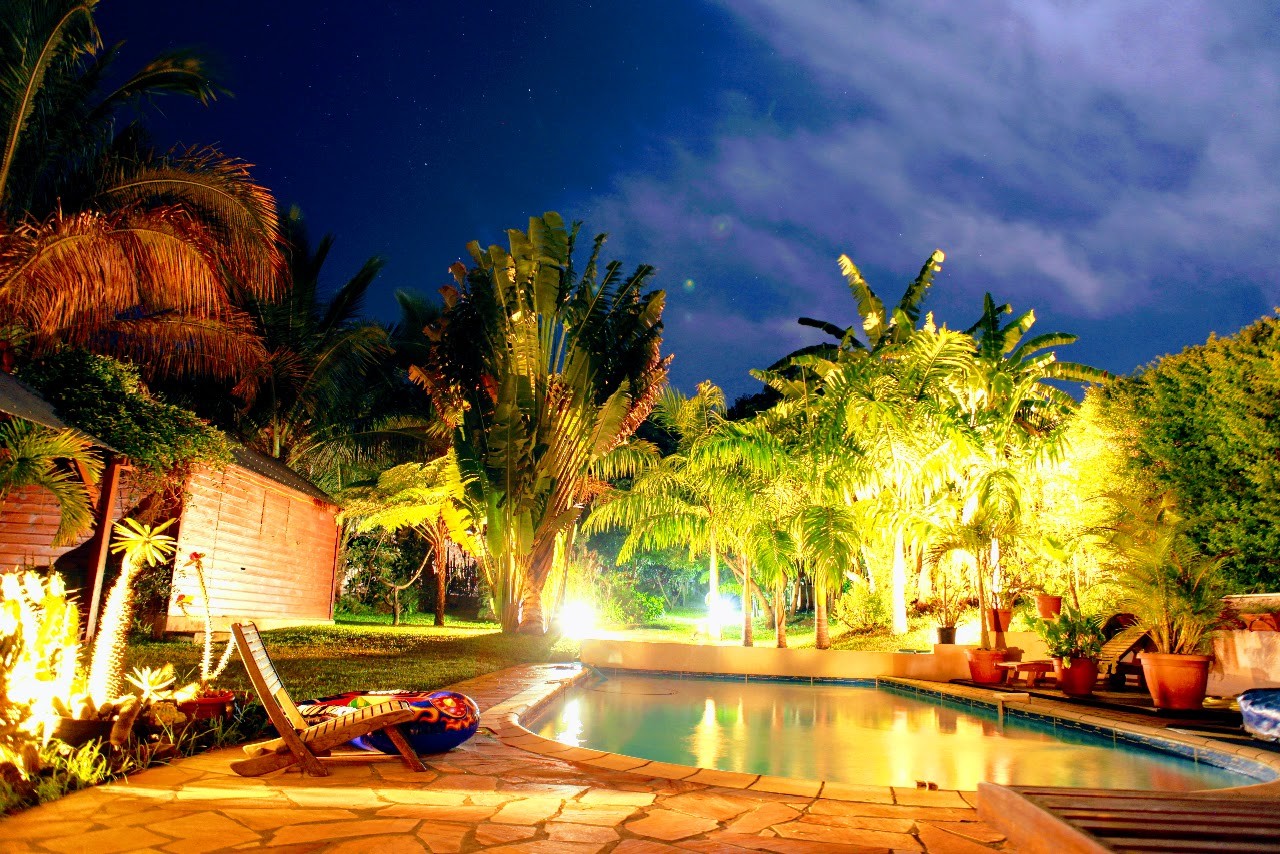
[(577, 620)]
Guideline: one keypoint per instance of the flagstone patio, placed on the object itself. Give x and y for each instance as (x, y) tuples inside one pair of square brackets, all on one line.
[(493, 796)]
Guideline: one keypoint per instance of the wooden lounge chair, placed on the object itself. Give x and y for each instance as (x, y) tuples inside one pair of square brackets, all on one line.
[(300, 744), (1041, 820), (1117, 661)]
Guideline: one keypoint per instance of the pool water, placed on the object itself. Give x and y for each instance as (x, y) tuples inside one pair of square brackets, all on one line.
[(852, 734)]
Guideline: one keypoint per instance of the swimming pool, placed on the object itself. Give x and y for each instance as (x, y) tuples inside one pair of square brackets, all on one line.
[(859, 734)]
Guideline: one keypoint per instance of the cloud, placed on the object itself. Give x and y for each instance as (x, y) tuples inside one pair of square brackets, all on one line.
[(1093, 157)]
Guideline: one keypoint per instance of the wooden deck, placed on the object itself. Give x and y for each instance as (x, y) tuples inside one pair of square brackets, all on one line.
[(1041, 820)]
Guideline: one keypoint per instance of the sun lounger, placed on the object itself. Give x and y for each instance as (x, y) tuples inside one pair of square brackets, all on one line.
[(1117, 661), (300, 744), (1040, 820)]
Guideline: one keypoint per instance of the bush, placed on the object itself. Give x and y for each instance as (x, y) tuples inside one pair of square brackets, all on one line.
[(623, 602), (863, 609)]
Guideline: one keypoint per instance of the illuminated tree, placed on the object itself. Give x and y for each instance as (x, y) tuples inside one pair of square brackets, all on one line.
[(543, 374), (103, 242)]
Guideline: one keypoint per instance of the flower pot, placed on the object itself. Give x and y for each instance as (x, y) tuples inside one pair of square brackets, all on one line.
[(946, 634), (216, 705), (998, 619), (1048, 607), (982, 666), (76, 732), (1176, 681), (1078, 678)]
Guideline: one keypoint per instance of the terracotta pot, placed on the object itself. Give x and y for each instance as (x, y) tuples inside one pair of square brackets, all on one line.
[(1048, 607), (982, 665), (1176, 681), (946, 634), (998, 619), (218, 705), (1078, 679)]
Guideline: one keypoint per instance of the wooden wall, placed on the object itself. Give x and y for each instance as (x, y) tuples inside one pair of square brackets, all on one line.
[(270, 552), (28, 520)]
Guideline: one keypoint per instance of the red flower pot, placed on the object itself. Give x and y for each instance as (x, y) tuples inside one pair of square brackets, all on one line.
[(1048, 607), (1078, 679), (998, 619), (982, 666), (1176, 681), (216, 705)]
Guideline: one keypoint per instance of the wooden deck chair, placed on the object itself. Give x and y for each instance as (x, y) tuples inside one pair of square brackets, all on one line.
[(1045, 820), (1116, 661), (300, 744)]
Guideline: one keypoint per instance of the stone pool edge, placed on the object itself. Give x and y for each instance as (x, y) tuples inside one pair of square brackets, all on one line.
[(504, 721)]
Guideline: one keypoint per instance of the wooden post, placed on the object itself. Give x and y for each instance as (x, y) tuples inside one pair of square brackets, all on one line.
[(102, 539)]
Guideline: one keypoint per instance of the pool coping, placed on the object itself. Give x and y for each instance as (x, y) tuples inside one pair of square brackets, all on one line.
[(504, 721)]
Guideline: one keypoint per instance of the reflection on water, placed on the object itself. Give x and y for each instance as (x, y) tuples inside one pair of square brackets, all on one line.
[(851, 734)]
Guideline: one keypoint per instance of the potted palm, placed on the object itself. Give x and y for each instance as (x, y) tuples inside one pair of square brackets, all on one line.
[(1175, 592), (1074, 641)]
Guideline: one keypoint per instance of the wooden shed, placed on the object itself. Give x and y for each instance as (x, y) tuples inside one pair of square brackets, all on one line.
[(269, 537)]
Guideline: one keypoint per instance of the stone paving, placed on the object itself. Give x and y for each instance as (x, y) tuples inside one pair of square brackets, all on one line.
[(492, 795)]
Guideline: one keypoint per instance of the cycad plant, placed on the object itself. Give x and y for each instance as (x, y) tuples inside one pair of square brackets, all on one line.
[(543, 373), (105, 243)]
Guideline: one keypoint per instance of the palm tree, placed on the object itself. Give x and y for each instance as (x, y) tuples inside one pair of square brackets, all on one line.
[(308, 401), (543, 374), (429, 498), (105, 243), (31, 455), (681, 500), (1017, 422)]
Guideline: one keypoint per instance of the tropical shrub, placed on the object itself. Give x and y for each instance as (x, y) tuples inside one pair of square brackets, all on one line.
[(622, 601), (107, 399), (862, 608), (1204, 424), (1072, 634), (34, 455)]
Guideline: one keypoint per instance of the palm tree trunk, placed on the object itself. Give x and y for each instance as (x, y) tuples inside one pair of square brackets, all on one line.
[(899, 584), (714, 596), (984, 639), (820, 622), (779, 617), (748, 635), (995, 573)]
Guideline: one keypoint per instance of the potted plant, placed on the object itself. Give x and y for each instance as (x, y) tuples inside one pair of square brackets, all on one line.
[(1175, 593), (203, 700), (1074, 641), (950, 605)]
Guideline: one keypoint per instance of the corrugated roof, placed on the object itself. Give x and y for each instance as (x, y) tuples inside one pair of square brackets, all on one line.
[(279, 472), (21, 401)]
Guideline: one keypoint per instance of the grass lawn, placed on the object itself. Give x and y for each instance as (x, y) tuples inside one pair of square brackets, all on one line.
[(364, 655)]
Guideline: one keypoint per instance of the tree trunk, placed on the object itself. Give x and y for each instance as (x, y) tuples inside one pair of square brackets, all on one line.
[(531, 618), (713, 604), (779, 617), (748, 635), (395, 605), (898, 592), (984, 640), (924, 574), (823, 640), (442, 585), (762, 603), (995, 573)]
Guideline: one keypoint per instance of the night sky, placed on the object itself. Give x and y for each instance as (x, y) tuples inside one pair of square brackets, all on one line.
[(1110, 164)]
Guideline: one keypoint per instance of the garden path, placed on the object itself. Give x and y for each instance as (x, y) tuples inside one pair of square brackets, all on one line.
[(493, 796)]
